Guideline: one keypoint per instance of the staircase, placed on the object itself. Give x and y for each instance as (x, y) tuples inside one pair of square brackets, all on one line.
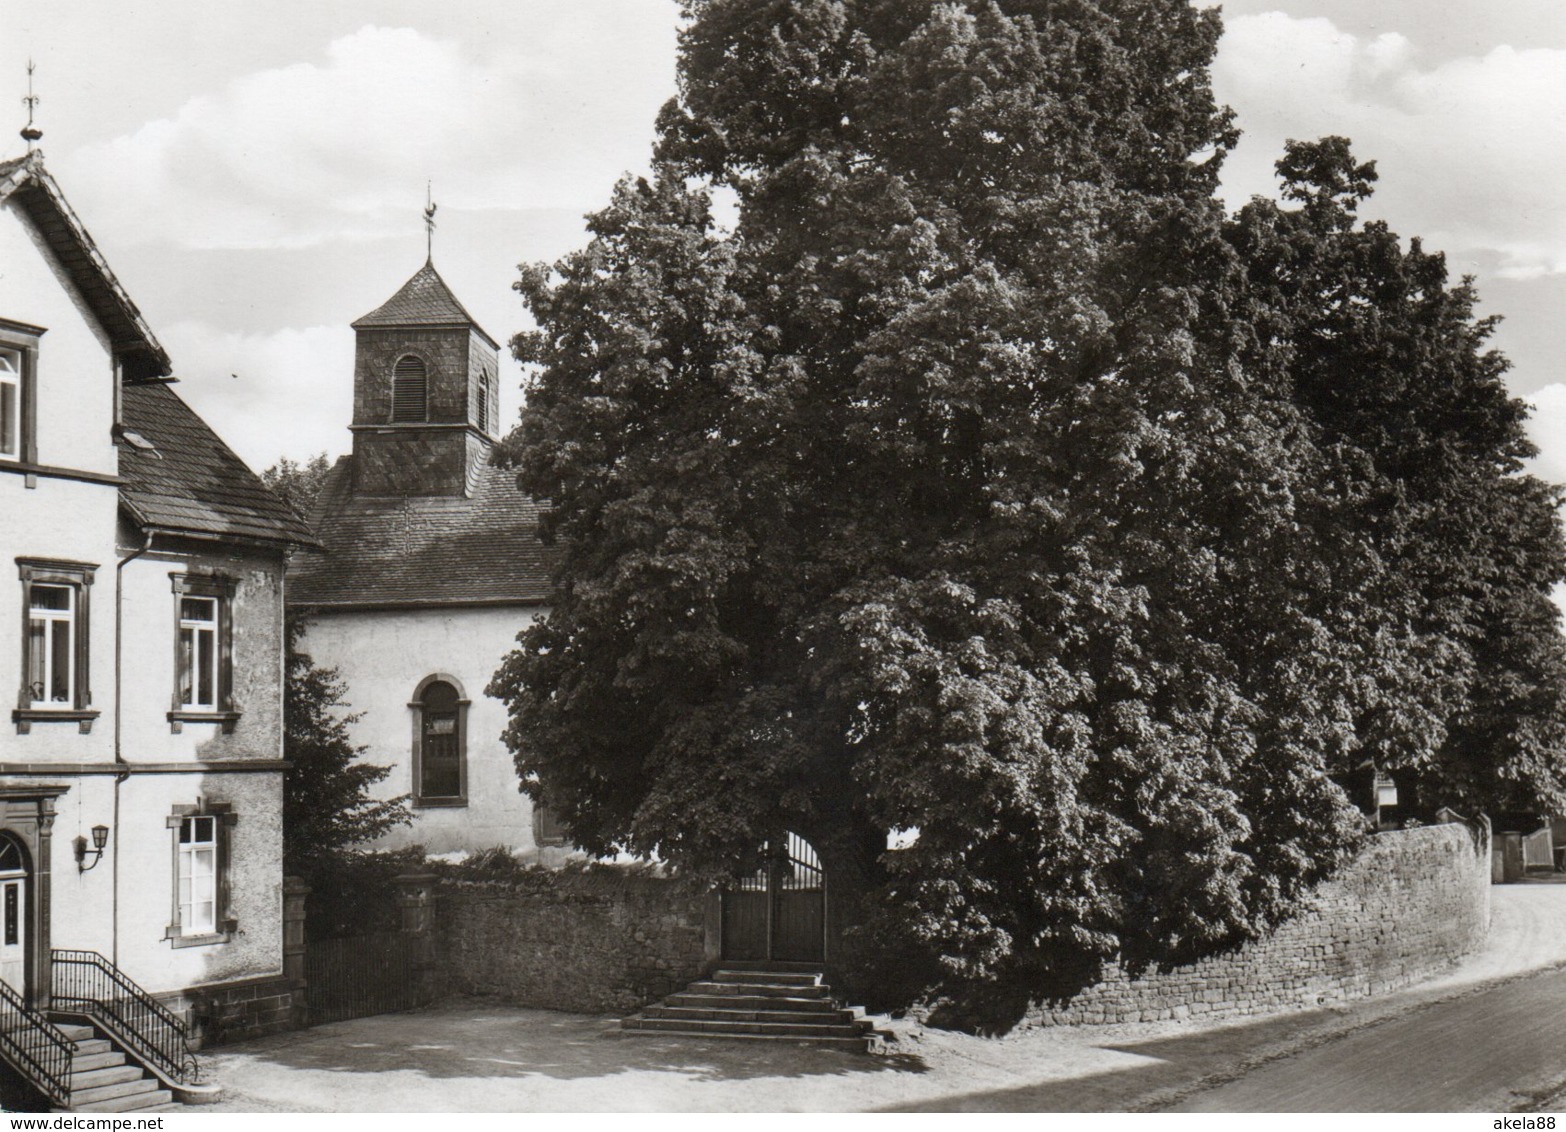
[(103, 1079), (758, 1002)]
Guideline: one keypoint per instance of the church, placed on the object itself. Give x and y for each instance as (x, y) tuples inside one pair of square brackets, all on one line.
[(430, 567)]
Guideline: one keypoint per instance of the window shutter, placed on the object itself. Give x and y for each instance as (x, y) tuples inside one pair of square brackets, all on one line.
[(410, 390)]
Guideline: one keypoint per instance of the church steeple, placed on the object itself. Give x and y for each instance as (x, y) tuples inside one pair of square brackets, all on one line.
[(424, 411)]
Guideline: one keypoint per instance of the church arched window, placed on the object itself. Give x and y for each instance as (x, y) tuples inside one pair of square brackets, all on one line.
[(440, 743), (410, 389)]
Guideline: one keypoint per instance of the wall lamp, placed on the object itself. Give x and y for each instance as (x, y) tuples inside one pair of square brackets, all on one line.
[(100, 838)]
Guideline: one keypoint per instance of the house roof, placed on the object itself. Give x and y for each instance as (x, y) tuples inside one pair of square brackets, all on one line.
[(406, 551), (180, 477), (423, 300), (25, 180)]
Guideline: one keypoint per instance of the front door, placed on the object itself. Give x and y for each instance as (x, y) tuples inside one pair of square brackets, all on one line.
[(13, 930), (779, 912)]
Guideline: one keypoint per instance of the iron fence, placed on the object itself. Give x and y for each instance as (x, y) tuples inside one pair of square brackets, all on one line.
[(87, 983), (35, 1047), (362, 975)]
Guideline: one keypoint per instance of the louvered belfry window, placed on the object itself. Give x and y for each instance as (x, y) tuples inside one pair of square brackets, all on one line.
[(410, 390)]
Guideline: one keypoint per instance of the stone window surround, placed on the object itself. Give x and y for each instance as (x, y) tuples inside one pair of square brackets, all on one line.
[(78, 576), (222, 587), (226, 923)]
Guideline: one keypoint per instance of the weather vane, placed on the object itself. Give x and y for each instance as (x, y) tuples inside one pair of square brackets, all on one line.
[(30, 132), (429, 224)]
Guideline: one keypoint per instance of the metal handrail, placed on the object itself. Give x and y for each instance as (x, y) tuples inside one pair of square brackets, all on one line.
[(35, 1046), (87, 983)]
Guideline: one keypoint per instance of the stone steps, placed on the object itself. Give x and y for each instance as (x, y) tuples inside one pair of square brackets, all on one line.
[(729, 987), (781, 1017), (756, 1003), (105, 1079), (752, 1002)]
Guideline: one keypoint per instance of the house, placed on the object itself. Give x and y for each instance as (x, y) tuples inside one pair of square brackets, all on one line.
[(430, 566), (141, 772)]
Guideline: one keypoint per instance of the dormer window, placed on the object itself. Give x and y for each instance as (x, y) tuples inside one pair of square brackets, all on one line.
[(410, 390)]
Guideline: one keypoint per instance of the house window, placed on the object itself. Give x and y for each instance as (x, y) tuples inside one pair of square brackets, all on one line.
[(202, 842), (203, 650), (18, 363), (198, 876), (410, 390), (10, 404), (51, 645), (198, 629), (54, 641), (440, 763)]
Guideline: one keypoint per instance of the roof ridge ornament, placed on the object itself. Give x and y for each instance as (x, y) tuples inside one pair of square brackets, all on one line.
[(30, 132)]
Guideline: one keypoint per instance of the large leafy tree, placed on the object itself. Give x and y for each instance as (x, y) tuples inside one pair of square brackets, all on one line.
[(1463, 666), (972, 483)]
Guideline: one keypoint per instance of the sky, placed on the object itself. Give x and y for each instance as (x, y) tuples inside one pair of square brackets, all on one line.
[(256, 174)]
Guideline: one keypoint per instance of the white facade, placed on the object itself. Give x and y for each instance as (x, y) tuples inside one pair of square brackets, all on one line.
[(108, 750)]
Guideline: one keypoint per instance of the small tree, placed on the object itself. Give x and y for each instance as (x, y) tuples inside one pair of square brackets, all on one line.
[(327, 805), (298, 483)]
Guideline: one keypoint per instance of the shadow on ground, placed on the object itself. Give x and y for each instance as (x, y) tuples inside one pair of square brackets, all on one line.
[(472, 1039), (1156, 1071)]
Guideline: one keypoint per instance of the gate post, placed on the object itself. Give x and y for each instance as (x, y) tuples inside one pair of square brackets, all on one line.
[(416, 899), (295, 892)]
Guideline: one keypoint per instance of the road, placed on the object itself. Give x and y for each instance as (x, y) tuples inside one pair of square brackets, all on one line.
[(1489, 1037), (1500, 1049)]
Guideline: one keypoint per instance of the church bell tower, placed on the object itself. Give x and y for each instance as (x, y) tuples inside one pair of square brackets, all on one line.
[(424, 393)]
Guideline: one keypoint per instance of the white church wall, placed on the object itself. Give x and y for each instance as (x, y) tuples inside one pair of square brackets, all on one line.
[(382, 656)]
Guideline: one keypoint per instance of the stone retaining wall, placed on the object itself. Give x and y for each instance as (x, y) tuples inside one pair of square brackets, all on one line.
[(236, 1011), (592, 942), (1416, 901)]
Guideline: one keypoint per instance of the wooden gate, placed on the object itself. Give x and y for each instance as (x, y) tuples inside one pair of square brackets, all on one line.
[(361, 975), (778, 913)]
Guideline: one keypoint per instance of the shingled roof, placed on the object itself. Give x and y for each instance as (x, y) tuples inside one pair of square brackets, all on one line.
[(395, 552), (27, 181), (180, 477), (424, 300)]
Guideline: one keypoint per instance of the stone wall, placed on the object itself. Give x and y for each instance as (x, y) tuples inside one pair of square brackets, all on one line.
[(598, 941), (1415, 901), (233, 1012)]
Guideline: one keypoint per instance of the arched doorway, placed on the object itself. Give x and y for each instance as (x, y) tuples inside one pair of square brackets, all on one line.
[(15, 936), (778, 913)]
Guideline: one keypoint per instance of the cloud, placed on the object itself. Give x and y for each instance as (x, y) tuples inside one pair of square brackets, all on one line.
[(1470, 149), (286, 393), (1547, 429), (341, 147)]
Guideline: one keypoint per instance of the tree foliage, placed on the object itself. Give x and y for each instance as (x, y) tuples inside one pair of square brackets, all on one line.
[(328, 807), (987, 480), (298, 483), (1463, 672)]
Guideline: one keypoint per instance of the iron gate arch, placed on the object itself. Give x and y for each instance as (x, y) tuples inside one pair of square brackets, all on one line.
[(778, 913)]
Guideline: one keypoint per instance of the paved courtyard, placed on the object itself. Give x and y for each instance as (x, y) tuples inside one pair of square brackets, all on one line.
[(476, 1056)]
